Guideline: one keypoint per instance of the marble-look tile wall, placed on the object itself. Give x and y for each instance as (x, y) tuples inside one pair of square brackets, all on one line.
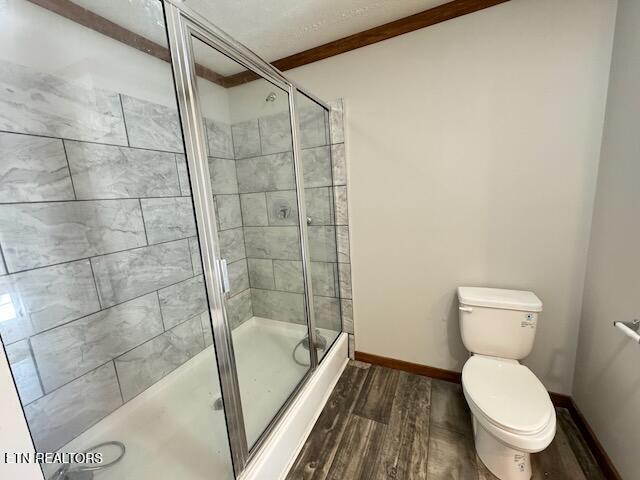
[(101, 286), (231, 234), (268, 204), (339, 172)]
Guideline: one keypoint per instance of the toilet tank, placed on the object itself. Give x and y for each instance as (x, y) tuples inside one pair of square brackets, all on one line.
[(496, 322)]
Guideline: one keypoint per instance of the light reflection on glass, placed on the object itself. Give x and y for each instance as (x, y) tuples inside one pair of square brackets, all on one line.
[(7, 310)]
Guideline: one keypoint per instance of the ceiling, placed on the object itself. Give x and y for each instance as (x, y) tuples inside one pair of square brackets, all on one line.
[(272, 28), (278, 28), (143, 17)]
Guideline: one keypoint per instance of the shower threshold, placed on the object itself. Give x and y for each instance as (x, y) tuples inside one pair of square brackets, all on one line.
[(173, 429)]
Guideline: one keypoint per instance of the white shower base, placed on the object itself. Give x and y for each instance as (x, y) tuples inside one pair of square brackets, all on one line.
[(171, 430)]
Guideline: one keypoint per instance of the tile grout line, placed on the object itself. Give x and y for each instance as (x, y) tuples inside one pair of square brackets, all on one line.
[(114, 359), (105, 308), (294, 293), (315, 187), (241, 226), (233, 142), (180, 152), (3, 262), (95, 285), (273, 272), (164, 325), (335, 214), (47, 394), (193, 267), (124, 120), (92, 424), (291, 225), (66, 157), (115, 369), (144, 226), (91, 142), (244, 238), (99, 255), (102, 199), (37, 369), (175, 159), (240, 292), (259, 141), (158, 335), (289, 259), (280, 152)]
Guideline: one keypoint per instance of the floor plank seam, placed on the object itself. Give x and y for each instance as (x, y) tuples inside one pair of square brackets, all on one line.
[(364, 448), (333, 456), (430, 425)]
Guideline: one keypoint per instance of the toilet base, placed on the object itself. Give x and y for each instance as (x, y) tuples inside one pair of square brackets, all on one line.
[(504, 462)]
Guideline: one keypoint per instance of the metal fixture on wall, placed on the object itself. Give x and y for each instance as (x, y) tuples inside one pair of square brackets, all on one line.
[(630, 329)]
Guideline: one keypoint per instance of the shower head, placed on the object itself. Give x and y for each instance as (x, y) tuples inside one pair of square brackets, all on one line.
[(271, 97)]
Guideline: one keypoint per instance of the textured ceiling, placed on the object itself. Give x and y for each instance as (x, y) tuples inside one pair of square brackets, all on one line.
[(272, 28), (278, 28), (143, 17)]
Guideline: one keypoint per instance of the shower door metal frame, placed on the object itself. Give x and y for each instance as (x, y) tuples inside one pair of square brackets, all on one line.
[(183, 24), (195, 150)]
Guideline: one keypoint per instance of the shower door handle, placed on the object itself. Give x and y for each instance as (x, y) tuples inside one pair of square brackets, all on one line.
[(224, 273)]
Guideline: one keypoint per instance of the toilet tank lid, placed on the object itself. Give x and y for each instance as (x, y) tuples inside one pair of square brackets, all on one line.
[(500, 298)]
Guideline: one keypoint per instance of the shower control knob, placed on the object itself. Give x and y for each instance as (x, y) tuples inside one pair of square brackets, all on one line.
[(308, 220)]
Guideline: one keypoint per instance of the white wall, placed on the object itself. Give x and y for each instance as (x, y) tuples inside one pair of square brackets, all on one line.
[(14, 435), (34, 37), (248, 101), (607, 381), (473, 148)]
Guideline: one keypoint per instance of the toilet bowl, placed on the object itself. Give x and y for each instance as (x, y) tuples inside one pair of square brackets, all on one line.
[(512, 412)]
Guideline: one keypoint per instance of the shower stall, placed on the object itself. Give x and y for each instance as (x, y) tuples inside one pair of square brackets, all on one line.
[(173, 243)]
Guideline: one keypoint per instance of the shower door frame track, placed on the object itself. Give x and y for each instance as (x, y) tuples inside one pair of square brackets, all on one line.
[(182, 25)]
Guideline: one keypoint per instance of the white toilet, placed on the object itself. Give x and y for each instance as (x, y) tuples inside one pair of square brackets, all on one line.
[(512, 413)]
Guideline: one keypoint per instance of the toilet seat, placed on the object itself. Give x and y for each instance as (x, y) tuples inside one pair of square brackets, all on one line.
[(509, 401)]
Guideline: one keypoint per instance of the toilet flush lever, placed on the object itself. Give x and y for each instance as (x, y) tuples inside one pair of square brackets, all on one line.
[(465, 309)]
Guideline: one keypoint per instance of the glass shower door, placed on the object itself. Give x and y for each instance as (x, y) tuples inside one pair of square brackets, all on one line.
[(249, 148), (326, 211), (104, 313)]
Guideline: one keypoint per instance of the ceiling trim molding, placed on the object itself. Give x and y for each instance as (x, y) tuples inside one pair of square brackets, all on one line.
[(427, 18), (87, 18)]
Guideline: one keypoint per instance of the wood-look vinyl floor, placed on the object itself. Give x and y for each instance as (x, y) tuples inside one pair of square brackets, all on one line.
[(383, 424)]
